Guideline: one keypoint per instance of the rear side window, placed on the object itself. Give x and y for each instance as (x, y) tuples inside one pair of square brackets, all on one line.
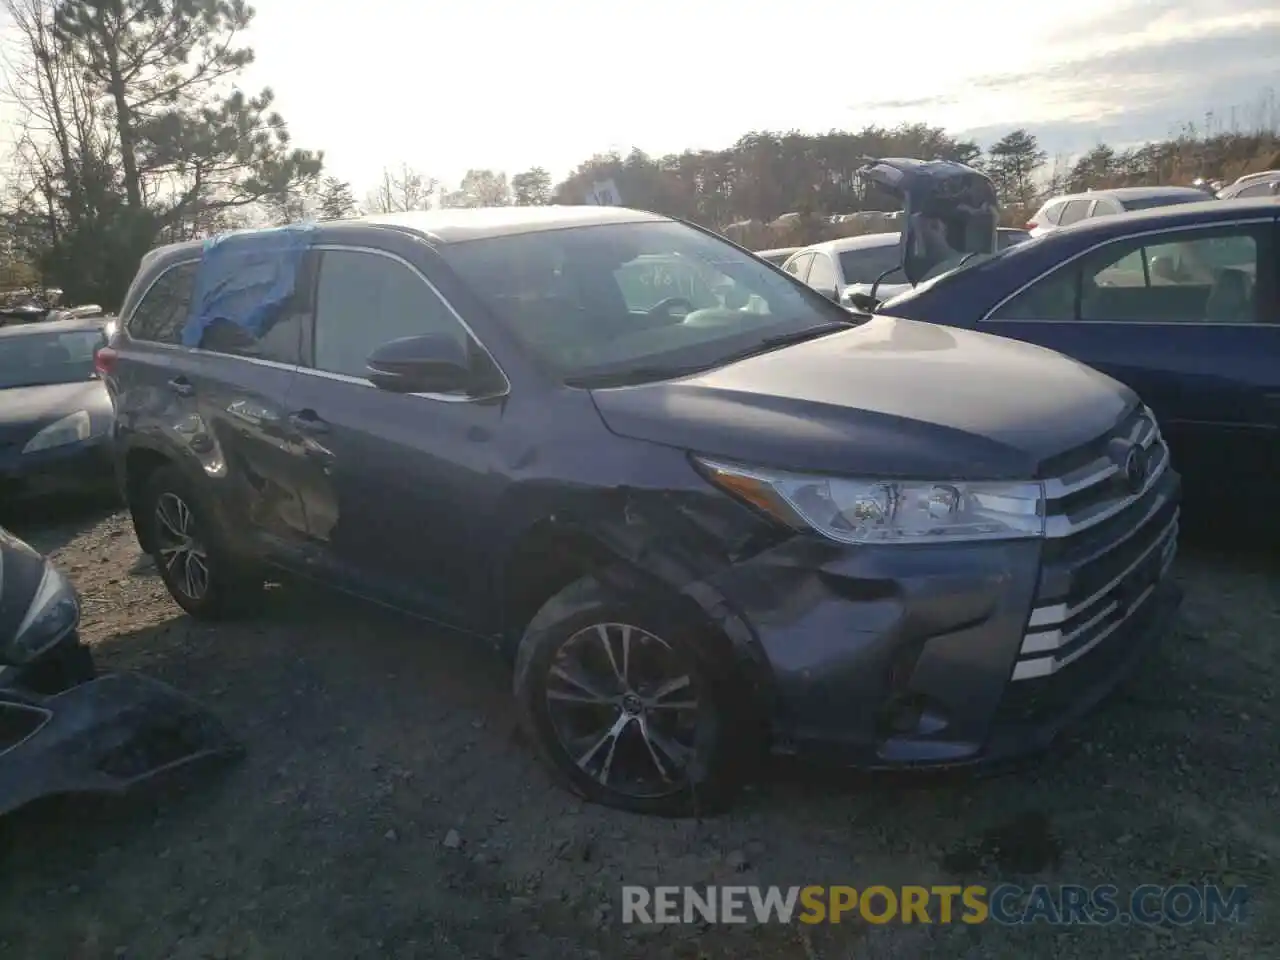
[(1052, 212), (162, 312), (1258, 190), (822, 274), (1074, 211), (1106, 207), (799, 267)]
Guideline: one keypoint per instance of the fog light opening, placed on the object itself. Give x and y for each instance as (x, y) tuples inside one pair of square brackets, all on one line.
[(912, 713)]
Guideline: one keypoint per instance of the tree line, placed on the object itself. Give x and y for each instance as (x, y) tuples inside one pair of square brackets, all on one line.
[(131, 132)]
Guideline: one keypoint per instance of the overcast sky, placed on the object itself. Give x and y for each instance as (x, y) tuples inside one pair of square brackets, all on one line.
[(509, 85)]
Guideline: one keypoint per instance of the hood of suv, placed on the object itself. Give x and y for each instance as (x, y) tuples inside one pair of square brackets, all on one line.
[(889, 397)]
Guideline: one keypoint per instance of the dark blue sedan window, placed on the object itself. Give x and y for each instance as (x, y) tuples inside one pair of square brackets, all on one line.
[(1204, 276)]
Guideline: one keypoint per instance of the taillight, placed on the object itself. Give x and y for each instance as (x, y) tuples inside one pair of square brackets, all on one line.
[(1031, 225), (104, 361)]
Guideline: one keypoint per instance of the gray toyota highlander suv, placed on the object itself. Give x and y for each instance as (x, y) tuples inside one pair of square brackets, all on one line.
[(701, 531)]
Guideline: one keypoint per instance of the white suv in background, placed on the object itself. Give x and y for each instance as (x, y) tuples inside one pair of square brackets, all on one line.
[(1264, 184), (1062, 211)]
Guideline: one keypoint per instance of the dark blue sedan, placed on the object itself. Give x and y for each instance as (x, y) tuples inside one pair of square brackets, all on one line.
[(1180, 303), (55, 412)]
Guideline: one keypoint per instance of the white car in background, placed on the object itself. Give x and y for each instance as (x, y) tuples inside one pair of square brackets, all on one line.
[(1263, 184), (841, 268), (1064, 210)]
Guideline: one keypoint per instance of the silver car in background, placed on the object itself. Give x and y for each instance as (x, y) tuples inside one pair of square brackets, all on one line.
[(841, 268), (1252, 185), (1064, 210)]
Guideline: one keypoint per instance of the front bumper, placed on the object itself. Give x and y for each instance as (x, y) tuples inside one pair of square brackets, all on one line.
[(82, 467), (891, 657)]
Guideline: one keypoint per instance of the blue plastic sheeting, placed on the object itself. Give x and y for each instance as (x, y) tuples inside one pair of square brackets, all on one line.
[(246, 277)]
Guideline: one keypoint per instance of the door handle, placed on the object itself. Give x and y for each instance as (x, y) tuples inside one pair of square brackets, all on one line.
[(182, 387), (307, 421)]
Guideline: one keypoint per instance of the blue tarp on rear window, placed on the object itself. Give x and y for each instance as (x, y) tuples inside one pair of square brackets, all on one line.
[(246, 277)]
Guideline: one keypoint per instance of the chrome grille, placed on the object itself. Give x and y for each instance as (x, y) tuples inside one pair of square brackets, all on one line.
[(1061, 633), (1098, 489), (1110, 542)]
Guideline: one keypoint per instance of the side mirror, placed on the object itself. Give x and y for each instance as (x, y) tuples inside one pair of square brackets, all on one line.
[(430, 363), (862, 302)]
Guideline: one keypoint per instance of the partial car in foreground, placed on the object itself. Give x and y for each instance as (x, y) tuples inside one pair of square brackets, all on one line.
[(55, 412), (838, 269), (698, 532), (1180, 303), (63, 728), (1064, 210)]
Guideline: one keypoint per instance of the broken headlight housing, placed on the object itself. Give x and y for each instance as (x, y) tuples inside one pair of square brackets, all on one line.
[(869, 511)]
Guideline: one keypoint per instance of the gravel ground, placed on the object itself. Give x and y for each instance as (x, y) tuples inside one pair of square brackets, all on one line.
[(387, 808)]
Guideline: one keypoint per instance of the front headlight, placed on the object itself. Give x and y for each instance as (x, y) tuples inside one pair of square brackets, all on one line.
[(70, 429), (888, 511), (54, 612)]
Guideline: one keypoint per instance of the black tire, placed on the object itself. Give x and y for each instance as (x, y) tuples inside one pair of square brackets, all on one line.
[(719, 758), (229, 589)]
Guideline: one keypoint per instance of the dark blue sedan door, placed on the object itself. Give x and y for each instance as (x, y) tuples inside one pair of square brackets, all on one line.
[(1189, 318)]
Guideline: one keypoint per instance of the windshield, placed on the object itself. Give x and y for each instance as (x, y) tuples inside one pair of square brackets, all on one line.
[(33, 359), (869, 263), (647, 281), (654, 299)]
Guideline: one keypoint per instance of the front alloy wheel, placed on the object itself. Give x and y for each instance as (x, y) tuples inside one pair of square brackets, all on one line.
[(630, 707), (625, 709)]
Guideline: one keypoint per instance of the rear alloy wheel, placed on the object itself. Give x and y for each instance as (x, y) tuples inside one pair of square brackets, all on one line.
[(628, 713), (184, 559), (199, 574)]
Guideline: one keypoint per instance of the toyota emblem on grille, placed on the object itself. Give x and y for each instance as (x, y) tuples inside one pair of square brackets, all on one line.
[(1134, 464)]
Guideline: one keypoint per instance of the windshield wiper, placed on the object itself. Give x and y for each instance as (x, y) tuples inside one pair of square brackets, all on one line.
[(780, 340), (636, 375)]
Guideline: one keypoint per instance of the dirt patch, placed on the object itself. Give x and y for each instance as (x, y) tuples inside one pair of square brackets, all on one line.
[(386, 807)]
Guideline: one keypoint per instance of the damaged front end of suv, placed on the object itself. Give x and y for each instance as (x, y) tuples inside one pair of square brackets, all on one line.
[(63, 728)]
